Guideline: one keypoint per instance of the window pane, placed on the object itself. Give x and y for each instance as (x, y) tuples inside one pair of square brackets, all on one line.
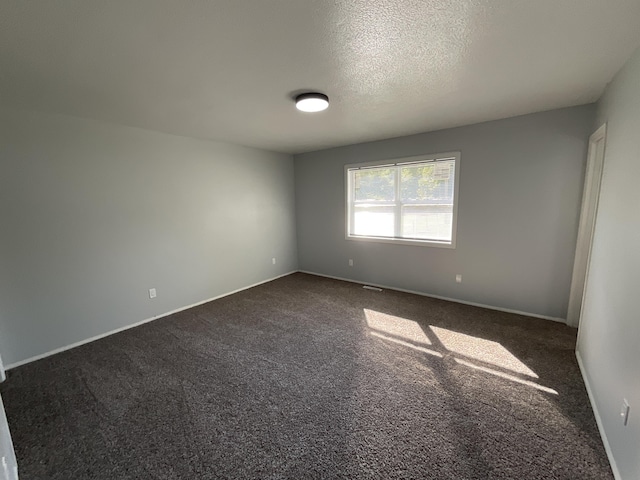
[(373, 220), (374, 184), (426, 221), (431, 182), (404, 201)]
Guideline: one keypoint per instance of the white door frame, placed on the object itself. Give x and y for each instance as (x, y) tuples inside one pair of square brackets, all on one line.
[(3, 375), (8, 463), (588, 212)]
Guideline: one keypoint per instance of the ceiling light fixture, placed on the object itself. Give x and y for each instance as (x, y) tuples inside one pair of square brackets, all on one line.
[(312, 102)]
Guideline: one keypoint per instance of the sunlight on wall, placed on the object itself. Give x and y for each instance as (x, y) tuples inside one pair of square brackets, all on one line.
[(400, 327), (480, 349)]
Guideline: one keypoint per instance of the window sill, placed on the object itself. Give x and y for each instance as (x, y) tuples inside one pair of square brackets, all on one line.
[(402, 241)]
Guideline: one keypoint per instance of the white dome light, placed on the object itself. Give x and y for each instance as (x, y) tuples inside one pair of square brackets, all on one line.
[(312, 102)]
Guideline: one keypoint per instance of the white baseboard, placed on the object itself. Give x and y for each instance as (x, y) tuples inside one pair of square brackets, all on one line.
[(111, 332), (127, 327), (440, 297), (596, 413)]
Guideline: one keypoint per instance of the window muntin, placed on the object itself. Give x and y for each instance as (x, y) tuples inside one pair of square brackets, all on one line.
[(404, 201)]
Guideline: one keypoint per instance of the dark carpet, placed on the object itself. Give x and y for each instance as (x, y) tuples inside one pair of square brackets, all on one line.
[(307, 377)]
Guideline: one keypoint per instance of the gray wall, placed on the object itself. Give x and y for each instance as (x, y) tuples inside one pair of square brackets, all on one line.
[(520, 193), (93, 215), (609, 339)]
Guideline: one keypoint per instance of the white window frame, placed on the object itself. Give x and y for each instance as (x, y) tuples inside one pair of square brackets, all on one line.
[(397, 162)]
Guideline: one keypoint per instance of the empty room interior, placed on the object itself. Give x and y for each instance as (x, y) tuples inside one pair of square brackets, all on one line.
[(295, 239)]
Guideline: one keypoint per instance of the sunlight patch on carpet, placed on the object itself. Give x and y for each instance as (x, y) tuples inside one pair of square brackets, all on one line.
[(397, 326)]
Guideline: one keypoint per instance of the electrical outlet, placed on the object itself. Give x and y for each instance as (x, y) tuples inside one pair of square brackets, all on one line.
[(273, 260), (624, 412), (351, 262), (152, 293), (458, 278)]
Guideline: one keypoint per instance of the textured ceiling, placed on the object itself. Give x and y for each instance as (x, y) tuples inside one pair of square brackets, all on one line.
[(227, 69)]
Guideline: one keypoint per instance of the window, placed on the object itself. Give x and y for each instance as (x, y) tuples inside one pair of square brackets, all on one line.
[(410, 200)]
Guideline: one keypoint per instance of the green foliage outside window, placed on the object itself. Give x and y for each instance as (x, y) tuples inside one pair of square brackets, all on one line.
[(375, 184), (417, 183), (425, 182)]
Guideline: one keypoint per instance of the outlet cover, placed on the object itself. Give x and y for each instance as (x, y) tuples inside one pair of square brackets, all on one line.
[(152, 293)]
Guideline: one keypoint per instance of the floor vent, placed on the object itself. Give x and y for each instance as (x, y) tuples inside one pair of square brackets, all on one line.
[(369, 287)]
